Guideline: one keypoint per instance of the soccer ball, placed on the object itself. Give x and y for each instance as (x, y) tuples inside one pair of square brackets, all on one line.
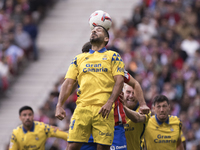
[(100, 17)]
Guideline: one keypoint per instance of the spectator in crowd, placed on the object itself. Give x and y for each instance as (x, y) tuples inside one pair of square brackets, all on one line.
[(32, 30), (14, 54), (23, 40), (146, 29), (190, 46), (17, 15), (17, 28)]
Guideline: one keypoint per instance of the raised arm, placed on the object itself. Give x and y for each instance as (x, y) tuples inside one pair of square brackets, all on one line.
[(134, 116), (117, 89), (131, 114), (139, 95), (65, 92)]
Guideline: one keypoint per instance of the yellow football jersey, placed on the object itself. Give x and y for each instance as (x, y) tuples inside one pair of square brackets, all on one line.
[(95, 72), (134, 132), (35, 138), (162, 136)]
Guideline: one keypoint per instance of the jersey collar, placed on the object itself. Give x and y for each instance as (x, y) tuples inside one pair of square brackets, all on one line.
[(136, 107), (159, 122), (100, 51), (32, 129)]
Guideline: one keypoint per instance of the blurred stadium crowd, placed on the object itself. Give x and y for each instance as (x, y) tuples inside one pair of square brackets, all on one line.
[(160, 46), (19, 20)]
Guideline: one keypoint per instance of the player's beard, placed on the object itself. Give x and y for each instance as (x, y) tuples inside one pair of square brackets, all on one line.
[(96, 40), (28, 123)]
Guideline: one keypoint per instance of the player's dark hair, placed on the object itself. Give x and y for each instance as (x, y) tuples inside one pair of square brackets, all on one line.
[(105, 32), (86, 47), (160, 98), (25, 108)]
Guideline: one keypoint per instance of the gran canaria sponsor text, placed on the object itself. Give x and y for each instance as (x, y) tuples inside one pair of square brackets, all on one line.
[(164, 139)]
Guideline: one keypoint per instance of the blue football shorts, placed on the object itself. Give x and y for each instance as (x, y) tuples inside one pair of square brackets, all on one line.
[(119, 141)]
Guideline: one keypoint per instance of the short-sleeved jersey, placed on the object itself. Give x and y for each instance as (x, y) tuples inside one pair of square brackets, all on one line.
[(95, 73), (35, 138), (162, 136), (134, 131)]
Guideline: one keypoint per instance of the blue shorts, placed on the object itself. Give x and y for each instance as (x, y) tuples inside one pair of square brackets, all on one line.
[(90, 145), (119, 141)]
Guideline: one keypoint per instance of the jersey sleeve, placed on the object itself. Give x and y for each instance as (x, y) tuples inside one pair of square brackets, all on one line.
[(59, 134), (55, 132), (126, 76), (182, 137), (148, 117), (72, 72), (13, 142), (117, 64)]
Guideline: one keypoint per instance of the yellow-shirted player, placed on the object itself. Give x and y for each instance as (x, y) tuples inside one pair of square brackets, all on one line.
[(163, 132), (100, 78), (32, 135), (134, 130)]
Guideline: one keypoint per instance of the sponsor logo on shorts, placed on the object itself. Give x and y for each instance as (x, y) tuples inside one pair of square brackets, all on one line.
[(112, 148), (117, 147), (106, 134)]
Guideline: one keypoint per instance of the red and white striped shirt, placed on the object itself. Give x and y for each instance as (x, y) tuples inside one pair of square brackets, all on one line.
[(119, 113)]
